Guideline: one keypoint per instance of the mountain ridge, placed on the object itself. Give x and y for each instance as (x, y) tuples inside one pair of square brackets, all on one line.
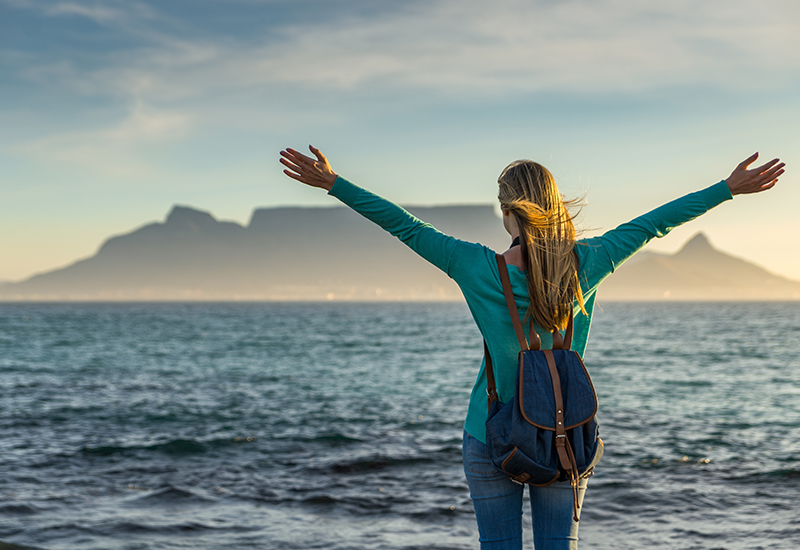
[(322, 253), (696, 272), (284, 253)]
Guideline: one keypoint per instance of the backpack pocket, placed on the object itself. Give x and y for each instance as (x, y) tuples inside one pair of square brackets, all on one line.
[(522, 469), (535, 463)]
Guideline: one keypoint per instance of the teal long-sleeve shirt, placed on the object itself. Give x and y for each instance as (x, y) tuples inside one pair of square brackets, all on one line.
[(473, 267)]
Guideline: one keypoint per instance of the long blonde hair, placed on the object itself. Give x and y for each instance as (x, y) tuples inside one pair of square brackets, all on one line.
[(547, 236)]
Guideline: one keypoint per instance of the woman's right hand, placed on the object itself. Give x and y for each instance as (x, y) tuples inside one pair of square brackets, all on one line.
[(316, 173), (743, 181)]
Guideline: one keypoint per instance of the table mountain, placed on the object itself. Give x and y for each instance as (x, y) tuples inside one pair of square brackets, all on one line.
[(282, 254)]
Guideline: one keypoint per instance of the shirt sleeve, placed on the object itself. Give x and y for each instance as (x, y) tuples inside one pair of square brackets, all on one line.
[(601, 256), (424, 239)]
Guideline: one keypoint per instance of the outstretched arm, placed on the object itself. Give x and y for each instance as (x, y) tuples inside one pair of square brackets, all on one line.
[(603, 255), (433, 245)]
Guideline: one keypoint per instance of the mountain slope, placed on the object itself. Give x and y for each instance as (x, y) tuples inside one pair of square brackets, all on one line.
[(696, 272), (284, 253)]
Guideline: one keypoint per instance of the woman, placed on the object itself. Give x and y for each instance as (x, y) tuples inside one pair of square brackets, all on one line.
[(547, 285)]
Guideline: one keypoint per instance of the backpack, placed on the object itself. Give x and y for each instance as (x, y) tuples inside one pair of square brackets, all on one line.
[(547, 431)]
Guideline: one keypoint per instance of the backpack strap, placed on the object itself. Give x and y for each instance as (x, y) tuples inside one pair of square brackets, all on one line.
[(564, 450), (491, 387), (559, 342), (568, 333), (535, 341), (512, 305), (564, 342)]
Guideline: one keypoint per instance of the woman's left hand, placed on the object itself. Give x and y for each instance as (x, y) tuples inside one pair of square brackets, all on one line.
[(316, 173), (743, 181)]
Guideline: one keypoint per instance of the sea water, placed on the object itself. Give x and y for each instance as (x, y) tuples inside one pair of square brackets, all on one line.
[(338, 426)]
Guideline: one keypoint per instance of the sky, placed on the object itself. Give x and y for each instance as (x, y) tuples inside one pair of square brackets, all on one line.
[(113, 111)]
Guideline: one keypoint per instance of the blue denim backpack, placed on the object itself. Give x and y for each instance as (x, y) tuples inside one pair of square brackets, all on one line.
[(547, 431)]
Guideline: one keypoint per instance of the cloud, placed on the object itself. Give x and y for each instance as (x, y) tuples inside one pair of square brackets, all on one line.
[(98, 13), (453, 48), (461, 48), (145, 123), (511, 46), (102, 13), (114, 150)]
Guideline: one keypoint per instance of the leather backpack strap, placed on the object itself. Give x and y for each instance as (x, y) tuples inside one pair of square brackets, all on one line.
[(512, 305), (564, 450), (491, 387), (565, 342), (568, 334), (558, 340), (533, 338)]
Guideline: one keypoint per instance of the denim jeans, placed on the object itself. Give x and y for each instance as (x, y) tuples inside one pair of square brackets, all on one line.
[(498, 505)]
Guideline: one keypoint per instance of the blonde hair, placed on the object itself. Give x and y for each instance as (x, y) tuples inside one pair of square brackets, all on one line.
[(547, 236)]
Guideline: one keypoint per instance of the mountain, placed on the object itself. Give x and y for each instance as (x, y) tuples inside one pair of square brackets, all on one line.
[(282, 254), (698, 271), (333, 253)]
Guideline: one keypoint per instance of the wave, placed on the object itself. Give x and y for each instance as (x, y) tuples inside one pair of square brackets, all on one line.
[(331, 438), (767, 476), (358, 505), (12, 546), (369, 464), (172, 447), (170, 495), (130, 527), (19, 509)]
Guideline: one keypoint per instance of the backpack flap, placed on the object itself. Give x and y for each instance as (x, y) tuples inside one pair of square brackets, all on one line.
[(536, 400)]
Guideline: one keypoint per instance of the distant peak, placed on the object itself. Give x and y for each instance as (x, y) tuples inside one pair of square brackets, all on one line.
[(697, 244), (185, 214)]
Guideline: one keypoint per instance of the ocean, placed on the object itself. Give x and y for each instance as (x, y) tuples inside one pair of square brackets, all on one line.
[(339, 425)]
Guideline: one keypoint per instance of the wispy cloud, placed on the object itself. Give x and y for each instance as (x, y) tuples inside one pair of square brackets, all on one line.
[(511, 46), (114, 150), (100, 12), (457, 48)]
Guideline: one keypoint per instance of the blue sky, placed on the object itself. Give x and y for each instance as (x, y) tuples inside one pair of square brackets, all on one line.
[(113, 111)]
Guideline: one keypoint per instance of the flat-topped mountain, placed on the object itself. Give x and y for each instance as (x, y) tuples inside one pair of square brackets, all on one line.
[(282, 254), (296, 253)]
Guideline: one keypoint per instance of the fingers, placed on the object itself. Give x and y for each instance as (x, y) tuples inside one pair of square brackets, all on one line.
[(748, 161), (318, 154), (769, 185), (293, 176), (766, 166), (290, 166), (773, 172), (764, 187), (297, 157)]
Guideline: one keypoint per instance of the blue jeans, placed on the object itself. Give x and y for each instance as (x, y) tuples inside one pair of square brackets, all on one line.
[(498, 505)]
